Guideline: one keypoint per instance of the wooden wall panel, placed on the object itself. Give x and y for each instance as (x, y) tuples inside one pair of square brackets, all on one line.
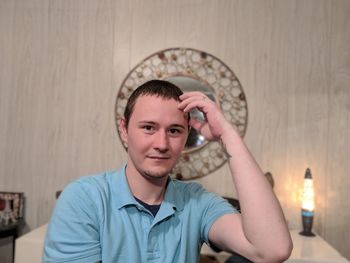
[(307, 123), (61, 63), (337, 205), (60, 100)]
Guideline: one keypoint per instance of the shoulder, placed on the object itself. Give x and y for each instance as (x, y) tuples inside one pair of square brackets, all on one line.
[(93, 188), (74, 229), (92, 182)]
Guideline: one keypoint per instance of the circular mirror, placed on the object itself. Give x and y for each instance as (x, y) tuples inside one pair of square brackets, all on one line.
[(186, 84), (192, 70)]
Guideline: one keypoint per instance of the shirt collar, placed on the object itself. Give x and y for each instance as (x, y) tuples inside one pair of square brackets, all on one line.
[(173, 197), (121, 190), (124, 196)]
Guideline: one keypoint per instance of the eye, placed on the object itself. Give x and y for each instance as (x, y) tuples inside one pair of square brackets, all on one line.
[(175, 131), (147, 128)]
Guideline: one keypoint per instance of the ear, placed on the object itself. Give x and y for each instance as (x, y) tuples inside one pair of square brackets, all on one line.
[(123, 131)]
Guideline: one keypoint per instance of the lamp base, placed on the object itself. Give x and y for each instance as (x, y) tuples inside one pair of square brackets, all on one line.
[(307, 234), (307, 220)]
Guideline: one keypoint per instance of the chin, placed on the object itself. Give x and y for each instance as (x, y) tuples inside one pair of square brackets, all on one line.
[(156, 173), (158, 176)]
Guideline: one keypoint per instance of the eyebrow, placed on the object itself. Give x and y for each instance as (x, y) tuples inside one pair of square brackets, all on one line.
[(175, 125)]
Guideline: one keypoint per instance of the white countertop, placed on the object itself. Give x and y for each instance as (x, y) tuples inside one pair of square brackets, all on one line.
[(306, 249), (29, 247)]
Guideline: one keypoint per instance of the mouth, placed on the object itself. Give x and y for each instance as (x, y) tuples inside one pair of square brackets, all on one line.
[(155, 157)]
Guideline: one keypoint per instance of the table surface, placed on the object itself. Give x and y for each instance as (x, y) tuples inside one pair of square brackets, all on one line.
[(30, 246), (306, 249)]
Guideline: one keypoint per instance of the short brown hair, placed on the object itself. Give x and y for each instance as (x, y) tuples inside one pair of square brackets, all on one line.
[(158, 88)]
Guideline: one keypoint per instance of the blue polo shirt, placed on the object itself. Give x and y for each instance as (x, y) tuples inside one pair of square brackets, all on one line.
[(97, 218)]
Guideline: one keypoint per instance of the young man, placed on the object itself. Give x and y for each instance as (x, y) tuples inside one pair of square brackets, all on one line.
[(139, 214)]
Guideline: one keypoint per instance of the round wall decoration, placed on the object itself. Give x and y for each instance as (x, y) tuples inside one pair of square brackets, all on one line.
[(192, 70)]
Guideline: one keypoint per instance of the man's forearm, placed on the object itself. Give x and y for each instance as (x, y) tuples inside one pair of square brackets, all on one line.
[(262, 215)]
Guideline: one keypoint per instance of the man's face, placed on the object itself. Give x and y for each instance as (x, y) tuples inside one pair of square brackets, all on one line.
[(156, 136)]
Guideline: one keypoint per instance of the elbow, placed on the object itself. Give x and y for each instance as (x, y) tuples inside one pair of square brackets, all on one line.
[(280, 253), (283, 253), (287, 250)]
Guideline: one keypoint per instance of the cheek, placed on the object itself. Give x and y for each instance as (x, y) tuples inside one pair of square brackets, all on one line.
[(139, 145), (136, 151), (137, 142), (179, 145)]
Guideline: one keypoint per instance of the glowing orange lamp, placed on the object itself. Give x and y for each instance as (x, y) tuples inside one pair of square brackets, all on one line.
[(308, 205)]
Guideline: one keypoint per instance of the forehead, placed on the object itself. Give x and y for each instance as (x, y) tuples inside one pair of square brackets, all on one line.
[(157, 109)]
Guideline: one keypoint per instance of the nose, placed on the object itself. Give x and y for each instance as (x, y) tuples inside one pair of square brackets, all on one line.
[(161, 142)]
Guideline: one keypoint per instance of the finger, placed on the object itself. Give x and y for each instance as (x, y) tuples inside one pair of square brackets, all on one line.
[(197, 125), (191, 94), (199, 104), (189, 100), (197, 98), (194, 95)]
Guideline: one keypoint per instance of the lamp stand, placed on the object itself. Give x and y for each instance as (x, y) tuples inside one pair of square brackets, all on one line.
[(307, 218)]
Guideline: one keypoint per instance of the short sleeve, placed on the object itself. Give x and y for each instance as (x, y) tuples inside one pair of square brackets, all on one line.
[(214, 207), (73, 232)]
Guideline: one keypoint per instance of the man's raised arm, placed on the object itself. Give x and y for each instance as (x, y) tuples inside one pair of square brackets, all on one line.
[(260, 233)]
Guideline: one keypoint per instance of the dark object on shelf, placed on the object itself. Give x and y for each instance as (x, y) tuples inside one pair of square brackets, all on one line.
[(11, 216), (58, 193), (208, 259), (234, 202), (236, 258), (269, 177)]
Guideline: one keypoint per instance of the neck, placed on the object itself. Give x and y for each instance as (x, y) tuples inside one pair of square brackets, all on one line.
[(148, 190)]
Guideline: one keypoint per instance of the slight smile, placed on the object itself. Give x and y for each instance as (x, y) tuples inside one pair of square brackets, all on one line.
[(159, 157)]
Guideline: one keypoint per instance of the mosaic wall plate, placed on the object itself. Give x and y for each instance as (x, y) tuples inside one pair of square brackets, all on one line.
[(192, 69)]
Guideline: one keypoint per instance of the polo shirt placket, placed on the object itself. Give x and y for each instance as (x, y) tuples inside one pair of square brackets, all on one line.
[(149, 224), (151, 242), (154, 240)]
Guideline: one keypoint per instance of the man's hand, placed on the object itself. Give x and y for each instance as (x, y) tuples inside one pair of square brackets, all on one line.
[(214, 125)]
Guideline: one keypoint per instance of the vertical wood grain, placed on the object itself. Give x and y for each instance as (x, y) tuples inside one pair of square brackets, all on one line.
[(337, 205)]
